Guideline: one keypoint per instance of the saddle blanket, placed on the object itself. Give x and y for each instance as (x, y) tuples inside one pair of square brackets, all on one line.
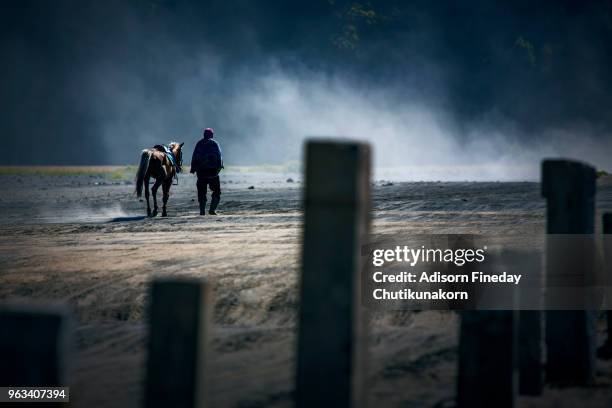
[(170, 156)]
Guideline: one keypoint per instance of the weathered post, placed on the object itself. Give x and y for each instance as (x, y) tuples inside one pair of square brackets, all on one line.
[(487, 374), (530, 339), (569, 189), (336, 223), (180, 326), (34, 344), (487, 359), (531, 379), (605, 351)]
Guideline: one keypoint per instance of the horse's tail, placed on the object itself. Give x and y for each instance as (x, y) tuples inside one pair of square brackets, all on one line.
[(142, 170)]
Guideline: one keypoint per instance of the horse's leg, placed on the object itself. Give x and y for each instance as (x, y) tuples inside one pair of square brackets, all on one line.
[(166, 191), (154, 191), (146, 186)]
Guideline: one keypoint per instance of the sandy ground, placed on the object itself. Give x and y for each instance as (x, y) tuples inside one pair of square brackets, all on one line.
[(70, 237)]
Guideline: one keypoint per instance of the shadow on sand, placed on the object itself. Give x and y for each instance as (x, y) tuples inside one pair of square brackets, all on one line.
[(122, 219)]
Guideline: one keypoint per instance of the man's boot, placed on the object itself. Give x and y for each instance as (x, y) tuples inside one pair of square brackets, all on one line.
[(202, 207), (213, 205)]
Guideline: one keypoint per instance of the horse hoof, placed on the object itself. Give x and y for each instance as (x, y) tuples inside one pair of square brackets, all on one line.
[(154, 214), (148, 213), (164, 214)]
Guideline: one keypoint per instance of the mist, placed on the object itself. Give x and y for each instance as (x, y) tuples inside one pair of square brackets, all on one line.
[(95, 84)]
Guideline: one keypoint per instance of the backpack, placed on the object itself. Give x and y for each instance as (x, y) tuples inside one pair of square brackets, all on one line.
[(211, 155)]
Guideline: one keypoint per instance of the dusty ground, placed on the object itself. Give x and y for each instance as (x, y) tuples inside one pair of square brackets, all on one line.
[(69, 237)]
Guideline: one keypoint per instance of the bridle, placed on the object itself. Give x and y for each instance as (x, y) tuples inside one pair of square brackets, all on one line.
[(179, 160), (179, 164)]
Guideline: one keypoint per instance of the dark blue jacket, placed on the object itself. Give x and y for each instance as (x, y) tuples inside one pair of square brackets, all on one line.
[(206, 155)]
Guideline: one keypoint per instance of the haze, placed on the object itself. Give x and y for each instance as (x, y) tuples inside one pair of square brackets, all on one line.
[(442, 90)]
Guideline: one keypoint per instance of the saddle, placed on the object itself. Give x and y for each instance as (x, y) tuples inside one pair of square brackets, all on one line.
[(165, 149)]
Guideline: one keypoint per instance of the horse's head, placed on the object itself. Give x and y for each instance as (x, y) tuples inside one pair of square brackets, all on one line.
[(177, 150)]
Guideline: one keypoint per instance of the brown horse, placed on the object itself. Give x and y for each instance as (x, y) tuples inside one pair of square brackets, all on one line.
[(157, 163)]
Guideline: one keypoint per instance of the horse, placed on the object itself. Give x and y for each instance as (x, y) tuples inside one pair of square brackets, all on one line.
[(163, 164)]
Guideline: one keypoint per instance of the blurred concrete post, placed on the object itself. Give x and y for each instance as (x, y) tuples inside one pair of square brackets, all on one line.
[(487, 359), (607, 230), (336, 224), (34, 342), (180, 326), (605, 351), (531, 379), (487, 373), (569, 189), (530, 336)]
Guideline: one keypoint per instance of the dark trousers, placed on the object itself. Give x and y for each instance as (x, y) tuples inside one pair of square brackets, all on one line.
[(204, 181)]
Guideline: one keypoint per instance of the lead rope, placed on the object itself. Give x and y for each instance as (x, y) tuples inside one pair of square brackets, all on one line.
[(177, 170)]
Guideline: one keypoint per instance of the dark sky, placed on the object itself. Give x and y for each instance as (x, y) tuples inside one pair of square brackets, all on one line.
[(95, 82)]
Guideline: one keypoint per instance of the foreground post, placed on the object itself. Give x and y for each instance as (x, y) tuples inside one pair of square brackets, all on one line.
[(487, 374), (179, 330), (336, 222), (605, 351), (487, 359), (530, 339), (569, 189), (531, 380), (34, 344)]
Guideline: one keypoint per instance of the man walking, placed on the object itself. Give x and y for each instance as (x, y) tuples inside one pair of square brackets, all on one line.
[(207, 162)]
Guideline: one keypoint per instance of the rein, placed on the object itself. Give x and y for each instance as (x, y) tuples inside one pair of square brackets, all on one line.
[(178, 166)]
